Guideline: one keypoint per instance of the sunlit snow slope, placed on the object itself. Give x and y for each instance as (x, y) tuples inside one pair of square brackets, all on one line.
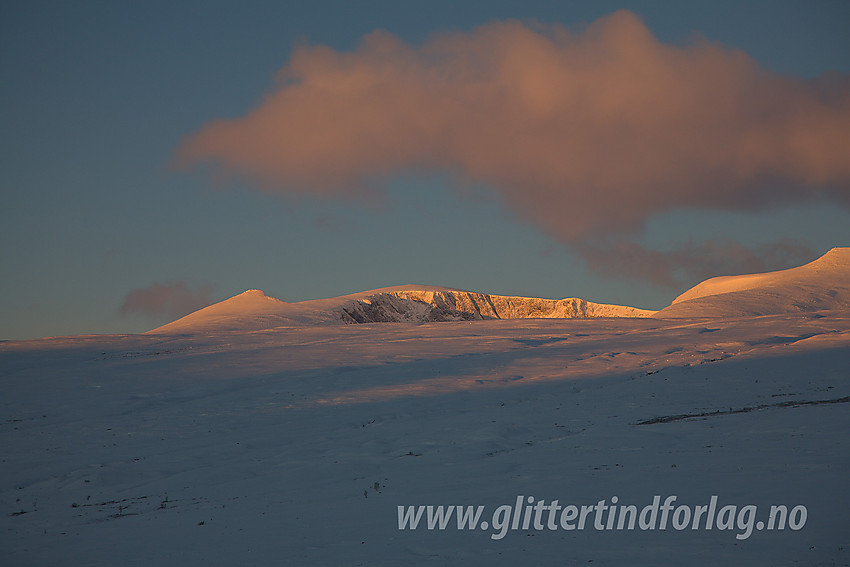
[(823, 284), (253, 309)]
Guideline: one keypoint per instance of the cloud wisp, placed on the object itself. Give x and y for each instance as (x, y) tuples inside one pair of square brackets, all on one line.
[(691, 263), (167, 300)]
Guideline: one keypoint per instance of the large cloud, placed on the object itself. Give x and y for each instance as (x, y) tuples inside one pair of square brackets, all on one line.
[(584, 133)]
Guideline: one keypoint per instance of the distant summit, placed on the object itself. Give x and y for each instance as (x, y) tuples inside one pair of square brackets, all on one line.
[(254, 310), (823, 284)]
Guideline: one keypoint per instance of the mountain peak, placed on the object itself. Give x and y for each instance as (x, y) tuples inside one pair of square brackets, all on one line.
[(837, 257), (252, 293), (251, 297)]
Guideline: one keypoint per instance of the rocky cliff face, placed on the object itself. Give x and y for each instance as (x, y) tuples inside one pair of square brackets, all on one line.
[(451, 305)]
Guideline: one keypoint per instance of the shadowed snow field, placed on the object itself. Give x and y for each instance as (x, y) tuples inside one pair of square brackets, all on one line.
[(296, 445)]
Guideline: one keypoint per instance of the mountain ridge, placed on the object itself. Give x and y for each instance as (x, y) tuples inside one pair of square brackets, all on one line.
[(254, 310), (823, 284)]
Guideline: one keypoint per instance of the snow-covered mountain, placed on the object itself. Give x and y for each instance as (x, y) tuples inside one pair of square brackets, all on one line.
[(253, 309), (823, 284)]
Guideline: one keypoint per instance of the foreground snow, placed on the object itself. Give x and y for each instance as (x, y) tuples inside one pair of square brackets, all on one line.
[(296, 445)]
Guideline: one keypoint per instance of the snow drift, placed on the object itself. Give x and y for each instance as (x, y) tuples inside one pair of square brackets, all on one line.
[(254, 310)]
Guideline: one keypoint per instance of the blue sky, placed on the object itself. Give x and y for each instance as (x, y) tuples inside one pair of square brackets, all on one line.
[(97, 97)]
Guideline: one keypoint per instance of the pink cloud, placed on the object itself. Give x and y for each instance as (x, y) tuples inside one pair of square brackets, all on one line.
[(580, 132), (172, 299)]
